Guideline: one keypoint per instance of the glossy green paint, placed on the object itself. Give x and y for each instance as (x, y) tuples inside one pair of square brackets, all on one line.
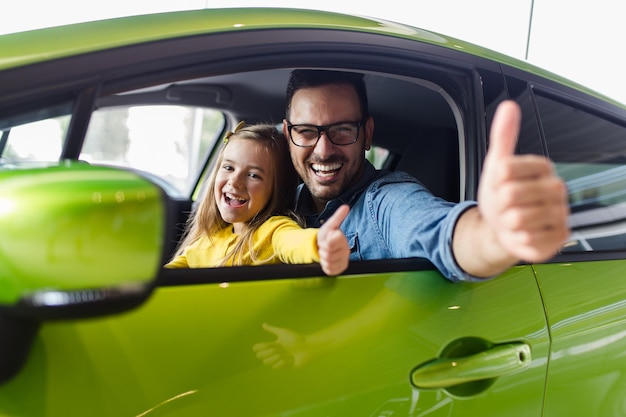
[(42, 45), (188, 351), (77, 226), (30, 47), (493, 362), (587, 319)]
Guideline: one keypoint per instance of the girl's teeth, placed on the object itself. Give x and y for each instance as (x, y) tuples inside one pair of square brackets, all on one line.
[(230, 197)]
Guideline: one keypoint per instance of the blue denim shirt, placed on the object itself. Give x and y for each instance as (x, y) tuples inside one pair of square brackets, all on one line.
[(393, 215)]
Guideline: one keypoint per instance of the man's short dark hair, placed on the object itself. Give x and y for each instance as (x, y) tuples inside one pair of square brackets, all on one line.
[(307, 78)]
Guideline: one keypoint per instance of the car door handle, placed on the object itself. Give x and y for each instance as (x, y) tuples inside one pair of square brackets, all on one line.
[(494, 362)]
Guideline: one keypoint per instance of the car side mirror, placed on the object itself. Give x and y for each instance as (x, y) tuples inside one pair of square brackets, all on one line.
[(76, 241)]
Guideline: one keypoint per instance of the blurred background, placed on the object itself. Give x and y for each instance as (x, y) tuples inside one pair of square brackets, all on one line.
[(579, 40)]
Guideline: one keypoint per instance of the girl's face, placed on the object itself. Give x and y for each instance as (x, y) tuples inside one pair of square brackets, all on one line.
[(243, 184)]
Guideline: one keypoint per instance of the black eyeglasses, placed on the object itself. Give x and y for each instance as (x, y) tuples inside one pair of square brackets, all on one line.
[(341, 133)]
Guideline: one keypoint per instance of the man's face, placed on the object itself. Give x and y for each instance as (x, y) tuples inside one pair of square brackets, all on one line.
[(327, 169)]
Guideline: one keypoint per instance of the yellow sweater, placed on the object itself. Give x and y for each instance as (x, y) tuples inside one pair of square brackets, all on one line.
[(280, 235)]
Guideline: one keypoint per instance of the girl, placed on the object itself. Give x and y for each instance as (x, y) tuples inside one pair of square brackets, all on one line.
[(243, 218)]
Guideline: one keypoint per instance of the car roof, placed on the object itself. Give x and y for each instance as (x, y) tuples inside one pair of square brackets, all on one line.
[(55, 42), (40, 45)]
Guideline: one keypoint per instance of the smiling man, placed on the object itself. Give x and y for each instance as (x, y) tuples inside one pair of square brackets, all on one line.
[(521, 213)]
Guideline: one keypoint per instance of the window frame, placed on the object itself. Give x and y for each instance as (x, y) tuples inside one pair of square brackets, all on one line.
[(528, 87), (104, 73)]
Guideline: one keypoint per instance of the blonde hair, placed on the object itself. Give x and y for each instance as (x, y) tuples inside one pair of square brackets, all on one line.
[(206, 219)]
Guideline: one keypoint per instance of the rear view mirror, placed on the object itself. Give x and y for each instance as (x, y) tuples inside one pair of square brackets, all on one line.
[(78, 240)]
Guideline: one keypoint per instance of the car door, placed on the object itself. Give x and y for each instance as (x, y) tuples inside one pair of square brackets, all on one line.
[(351, 344)]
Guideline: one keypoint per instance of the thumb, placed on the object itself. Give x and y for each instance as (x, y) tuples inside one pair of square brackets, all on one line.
[(276, 331), (337, 218), (504, 130)]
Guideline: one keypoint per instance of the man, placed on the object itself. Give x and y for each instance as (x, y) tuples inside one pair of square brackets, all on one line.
[(521, 212)]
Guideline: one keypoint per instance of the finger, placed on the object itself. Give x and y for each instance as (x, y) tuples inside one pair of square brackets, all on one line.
[(330, 268), (545, 191), (261, 347), (271, 329), (281, 364), (504, 130), (334, 241), (535, 219), (273, 360), (336, 262), (337, 218), (537, 246), (265, 353), (526, 167), (335, 245)]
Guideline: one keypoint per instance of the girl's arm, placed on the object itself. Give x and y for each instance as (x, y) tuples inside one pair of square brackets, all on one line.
[(294, 245)]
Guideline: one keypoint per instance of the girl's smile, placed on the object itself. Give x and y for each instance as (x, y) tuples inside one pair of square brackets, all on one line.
[(234, 201)]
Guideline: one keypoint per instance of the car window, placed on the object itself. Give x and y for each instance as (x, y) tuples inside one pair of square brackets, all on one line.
[(590, 155), (377, 155), (169, 142), (33, 141)]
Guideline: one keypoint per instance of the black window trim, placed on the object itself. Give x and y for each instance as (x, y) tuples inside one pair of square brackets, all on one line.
[(601, 110), (218, 275)]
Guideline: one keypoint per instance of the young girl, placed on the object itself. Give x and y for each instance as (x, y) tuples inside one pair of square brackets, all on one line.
[(244, 218)]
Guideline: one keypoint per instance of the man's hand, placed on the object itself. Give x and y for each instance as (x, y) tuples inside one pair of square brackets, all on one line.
[(332, 244), (520, 198)]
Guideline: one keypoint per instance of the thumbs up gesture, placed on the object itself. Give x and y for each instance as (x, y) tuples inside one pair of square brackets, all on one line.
[(332, 244), (520, 197)]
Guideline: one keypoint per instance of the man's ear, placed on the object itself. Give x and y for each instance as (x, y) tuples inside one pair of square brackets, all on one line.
[(285, 131), (369, 132)]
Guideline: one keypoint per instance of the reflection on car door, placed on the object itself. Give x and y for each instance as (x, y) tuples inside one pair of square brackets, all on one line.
[(349, 346)]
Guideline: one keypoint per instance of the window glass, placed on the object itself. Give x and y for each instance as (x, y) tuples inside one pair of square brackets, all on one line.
[(34, 141), (590, 155), (169, 142), (377, 156)]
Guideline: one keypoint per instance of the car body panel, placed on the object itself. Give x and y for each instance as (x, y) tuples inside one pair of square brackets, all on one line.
[(586, 316), (189, 349)]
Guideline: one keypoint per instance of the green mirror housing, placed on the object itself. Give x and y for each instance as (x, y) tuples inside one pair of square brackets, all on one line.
[(76, 237)]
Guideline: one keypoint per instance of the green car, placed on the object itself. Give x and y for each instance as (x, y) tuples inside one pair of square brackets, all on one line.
[(108, 131)]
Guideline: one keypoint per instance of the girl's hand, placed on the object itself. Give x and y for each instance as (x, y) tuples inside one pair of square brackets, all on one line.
[(332, 244), (289, 350)]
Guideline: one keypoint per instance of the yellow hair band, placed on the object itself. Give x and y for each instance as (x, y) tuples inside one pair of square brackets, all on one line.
[(239, 126)]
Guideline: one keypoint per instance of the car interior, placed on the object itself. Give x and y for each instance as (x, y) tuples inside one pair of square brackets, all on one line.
[(418, 129), (416, 122)]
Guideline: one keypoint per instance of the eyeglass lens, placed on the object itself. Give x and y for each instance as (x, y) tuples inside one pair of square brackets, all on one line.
[(343, 133)]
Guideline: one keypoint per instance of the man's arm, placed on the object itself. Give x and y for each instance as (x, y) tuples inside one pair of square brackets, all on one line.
[(522, 206)]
